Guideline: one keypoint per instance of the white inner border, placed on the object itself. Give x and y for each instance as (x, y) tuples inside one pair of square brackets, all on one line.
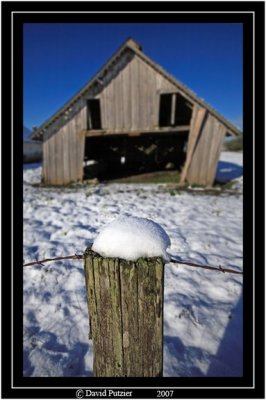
[(12, 135)]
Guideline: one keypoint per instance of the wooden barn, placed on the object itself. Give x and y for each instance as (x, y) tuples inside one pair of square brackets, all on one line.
[(133, 116)]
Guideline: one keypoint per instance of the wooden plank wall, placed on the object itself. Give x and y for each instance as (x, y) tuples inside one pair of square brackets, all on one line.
[(196, 124), (130, 101), (204, 161), (64, 152)]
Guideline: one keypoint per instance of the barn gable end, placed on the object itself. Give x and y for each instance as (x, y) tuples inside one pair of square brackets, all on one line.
[(131, 96)]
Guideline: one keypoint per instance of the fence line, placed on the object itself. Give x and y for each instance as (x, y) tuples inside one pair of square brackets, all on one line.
[(81, 256)]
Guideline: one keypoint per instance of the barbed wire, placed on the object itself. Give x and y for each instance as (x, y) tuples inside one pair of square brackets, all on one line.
[(172, 260), (40, 262), (219, 269)]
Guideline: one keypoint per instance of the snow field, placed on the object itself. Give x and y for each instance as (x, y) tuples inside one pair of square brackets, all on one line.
[(202, 309)]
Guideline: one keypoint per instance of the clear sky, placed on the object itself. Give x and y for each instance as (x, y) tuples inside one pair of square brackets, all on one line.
[(60, 58)]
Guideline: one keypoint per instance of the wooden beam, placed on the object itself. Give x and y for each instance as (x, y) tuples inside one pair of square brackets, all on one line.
[(173, 106), (197, 121), (94, 133), (215, 153), (176, 129), (204, 161)]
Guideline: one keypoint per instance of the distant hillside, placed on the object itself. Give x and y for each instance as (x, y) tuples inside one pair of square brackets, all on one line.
[(32, 149), (234, 143), (26, 133)]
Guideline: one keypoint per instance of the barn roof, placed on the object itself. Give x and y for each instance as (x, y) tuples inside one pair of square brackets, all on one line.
[(137, 49)]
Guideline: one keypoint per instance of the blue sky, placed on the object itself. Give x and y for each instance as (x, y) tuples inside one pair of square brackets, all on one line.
[(58, 59)]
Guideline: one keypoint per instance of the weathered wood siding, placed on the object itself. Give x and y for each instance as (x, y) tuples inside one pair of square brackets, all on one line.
[(196, 124), (205, 157), (129, 93), (130, 101), (125, 303), (63, 151)]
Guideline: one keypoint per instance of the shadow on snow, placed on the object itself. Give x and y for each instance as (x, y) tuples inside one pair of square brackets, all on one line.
[(227, 171), (228, 360), (186, 361), (53, 358)]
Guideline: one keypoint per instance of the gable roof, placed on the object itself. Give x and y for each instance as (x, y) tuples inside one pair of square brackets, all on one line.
[(137, 49)]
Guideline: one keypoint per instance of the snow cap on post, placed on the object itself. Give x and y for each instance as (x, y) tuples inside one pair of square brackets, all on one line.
[(130, 238)]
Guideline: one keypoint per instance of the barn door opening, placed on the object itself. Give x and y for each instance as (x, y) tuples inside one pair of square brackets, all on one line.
[(94, 120), (117, 156)]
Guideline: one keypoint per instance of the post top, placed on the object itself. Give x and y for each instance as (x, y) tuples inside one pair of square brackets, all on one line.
[(131, 238)]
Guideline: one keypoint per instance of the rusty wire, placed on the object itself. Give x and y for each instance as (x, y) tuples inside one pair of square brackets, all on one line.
[(190, 264)]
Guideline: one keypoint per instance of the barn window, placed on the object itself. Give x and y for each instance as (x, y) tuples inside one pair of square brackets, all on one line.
[(94, 120), (174, 110), (165, 109)]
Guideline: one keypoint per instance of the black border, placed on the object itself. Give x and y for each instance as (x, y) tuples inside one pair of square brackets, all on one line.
[(222, 12)]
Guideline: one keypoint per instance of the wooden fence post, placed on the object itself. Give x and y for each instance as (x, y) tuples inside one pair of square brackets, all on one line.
[(125, 303)]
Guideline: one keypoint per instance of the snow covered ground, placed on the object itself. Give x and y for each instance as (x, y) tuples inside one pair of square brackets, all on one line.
[(202, 309)]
